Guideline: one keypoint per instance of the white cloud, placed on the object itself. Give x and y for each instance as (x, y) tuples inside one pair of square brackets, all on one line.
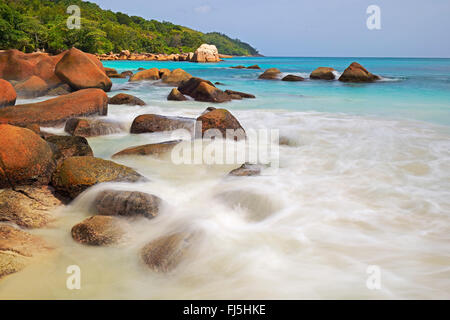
[(203, 9)]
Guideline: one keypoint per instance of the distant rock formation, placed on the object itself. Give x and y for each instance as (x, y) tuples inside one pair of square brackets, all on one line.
[(206, 53)]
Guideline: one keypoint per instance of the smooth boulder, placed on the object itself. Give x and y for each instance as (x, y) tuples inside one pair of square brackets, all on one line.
[(222, 120), (8, 94), (123, 98), (270, 74), (91, 127), (206, 53), (69, 146), (99, 231), (147, 123), (176, 95), (323, 73), (150, 74), (32, 87), (57, 110), (148, 149), (357, 73), (75, 174), (292, 77), (247, 169), (240, 94), (176, 77), (206, 92), (25, 158), (127, 204), (81, 71)]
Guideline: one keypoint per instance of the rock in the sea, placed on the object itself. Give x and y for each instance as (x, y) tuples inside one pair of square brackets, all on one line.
[(148, 149), (127, 73), (81, 71), (292, 77), (8, 94), (150, 74), (100, 231), (165, 253), (221, 119), (57, 110), (28, 207), (91, 127), (240, 94), (76, 174), (127, 203), (112, 73), (357, 73), (176, 95), (123, 98), (247, 170), (237, 67), (254, 67), (206, 53), (32, 87), (209, 93), (25, 158), (164, 72), (323, 73), (188, 87), (69, 146), (18, 249), (176, 77), (155, 123), (270, 74)]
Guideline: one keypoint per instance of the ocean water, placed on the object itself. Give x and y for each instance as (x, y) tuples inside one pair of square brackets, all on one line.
[(364, 181)]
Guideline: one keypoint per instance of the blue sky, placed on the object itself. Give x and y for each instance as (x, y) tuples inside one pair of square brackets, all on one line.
[(409, 28)]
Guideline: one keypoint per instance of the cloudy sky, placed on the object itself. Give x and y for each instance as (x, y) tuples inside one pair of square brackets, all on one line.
[(409, 28)]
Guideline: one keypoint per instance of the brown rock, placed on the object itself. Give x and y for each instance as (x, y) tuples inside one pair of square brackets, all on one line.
[(148, 149), (357, 73), (291, 77), (209, 93), (240, 94), (123, 98), (15, 66), (45, 69), (270, 74), (28, 207), (18, 249), (188, 87), (32, 87), (176, 95), (164, 72), (127, 203), (60, 90), (91, 127), (74, 175), (81, 71), (165, 253), (57, 110), (150, 74), (127, 73), (221, 119), (255, 67), (25, 158), (99, 231), (237, 67), (69, 146), (323, 73), (247, 170), (155, 123), (8, 94), (176, 77)]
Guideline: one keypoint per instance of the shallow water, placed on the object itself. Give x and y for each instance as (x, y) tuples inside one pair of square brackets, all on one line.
[(364, 181)]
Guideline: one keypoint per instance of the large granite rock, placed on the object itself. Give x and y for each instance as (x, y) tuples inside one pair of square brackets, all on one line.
[(74, 175), (155, 123), (293, 78), (222, 120), (91, 127), (206, 53), (25, 158), (270, 74), (357, 73), (176, 95), (57, 110), (123, 98), (323, 73), (176, 77), (148, 149), (69, 146), (100, 231), (32, 87), (150, 74), (8, 94)]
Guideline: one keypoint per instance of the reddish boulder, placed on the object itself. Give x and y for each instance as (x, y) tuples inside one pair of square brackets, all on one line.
[(292, 77), (176, 77), (323, 73), (45, 69), (91, 127), (150, 74), (81, 71), (148, 149), (15, 66), (176, 95), (240, 94), (57, 110), (32, 87), (357, 73), (270, 74), (155, 123), (123, 98), (220, 119), (7, 94), (69, 146), (189, 86), (25, 158), (209, 93)]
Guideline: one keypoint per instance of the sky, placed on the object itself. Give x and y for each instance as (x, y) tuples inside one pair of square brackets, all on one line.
[(311, 28)]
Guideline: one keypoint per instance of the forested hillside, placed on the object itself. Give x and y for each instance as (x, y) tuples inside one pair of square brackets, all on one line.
[(29, 25)]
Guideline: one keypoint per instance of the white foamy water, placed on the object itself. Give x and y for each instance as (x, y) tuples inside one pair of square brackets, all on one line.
[(350, 192)]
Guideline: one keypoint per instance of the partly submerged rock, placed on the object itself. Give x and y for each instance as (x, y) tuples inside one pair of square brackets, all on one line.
[(91, 127), (57, 110), (206, 92), (240, 94), (220, 119), (188, 87), (323, 73), (123, 98), (148, 149), (176, 77), (18, 249), (292, 77), (8, 94), (155, 123), (81, 71), (25, 158), (176, 95), (28, 207), (357, 73), (165, 253), (254, 67), (150, 74), (270, 74), (74, 175), (100, 231), (69, 146), (247, 169), (127, 203)]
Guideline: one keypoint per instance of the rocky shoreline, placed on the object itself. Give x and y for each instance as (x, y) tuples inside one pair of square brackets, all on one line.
[(40, 171)]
